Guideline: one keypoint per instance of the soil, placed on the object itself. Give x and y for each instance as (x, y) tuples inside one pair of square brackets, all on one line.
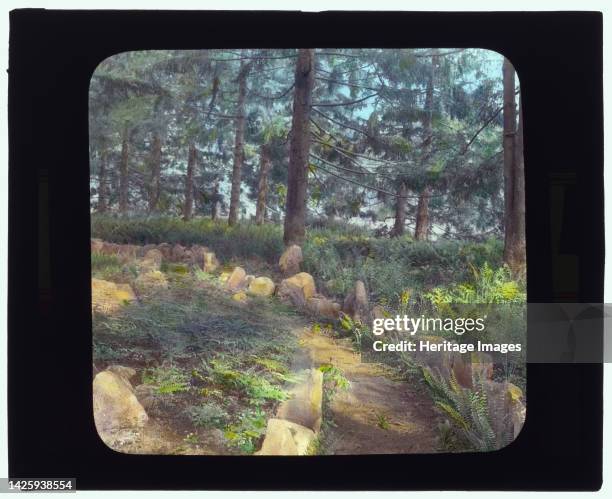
[(377, 414)]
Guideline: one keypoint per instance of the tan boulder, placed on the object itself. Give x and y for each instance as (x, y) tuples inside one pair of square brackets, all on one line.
[(357, 304), (152, 260), (284, 438), (262, 286), (379, 312), (236, 280), (177, 253), (290, 260), (166, 250), (291, 294), (506, 410), (210, 262), (115, 405), (107, 296), (97, 245), (153, 279), (438, 362), (127, 373), (305, 281), (305, 405), (323, 307), (240, 296)]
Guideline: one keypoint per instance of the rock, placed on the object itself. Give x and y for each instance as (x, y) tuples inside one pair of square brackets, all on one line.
[(323, 307), (304, 281), (236, 280), (151, 280), (262, 286), (210, 262), (152, 260), (97, 245), (127, 373), (290, 260), (462, 369), (166, 250), (241, 296), (249, 279), (127, 251), (305, 405), (115, 405), (482, 365), (106, 296), (146, 395), (177, 254), (506, 410), (379, 312), (224, 276), (439, 363), (357, 304), (291, 294), (284, 438)]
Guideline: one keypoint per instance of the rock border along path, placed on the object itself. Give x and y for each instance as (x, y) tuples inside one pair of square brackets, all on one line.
[(376, 415)]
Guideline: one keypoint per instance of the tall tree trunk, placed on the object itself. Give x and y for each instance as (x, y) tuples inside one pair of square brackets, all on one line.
[(514, 180), (154, 186), (262, 188), (400, 210), (214, 211), (191, 161), (299, 148), (103, 181), (238, 145), (123, 172), (421, 229)]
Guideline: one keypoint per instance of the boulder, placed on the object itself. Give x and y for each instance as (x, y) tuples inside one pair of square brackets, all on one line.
[(210, 262), (462, 369), (177, 254), (290, 260), (127, 373), (379, 312), (284, 438), (115, 405), (438, 362), (152, 260), (291, 294), (262, 286), (153, 279), (127, 251), (236, 280), (107, 296), (506, 410), (240, 296), (224, 276), (97, 245), (357, 304), (305, 405), (323, 307), (304, 281), (166, 250)]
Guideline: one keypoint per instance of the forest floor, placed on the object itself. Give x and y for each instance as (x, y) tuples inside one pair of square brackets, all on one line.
[(198, 347)]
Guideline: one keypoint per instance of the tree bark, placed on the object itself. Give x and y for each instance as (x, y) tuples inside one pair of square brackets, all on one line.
[(154, 187), (400, 211), (214, 211), (299, 148), (514, 179), (238, 145), (191, 161), (103, 181), (421, 229), (262, 188), (123, 172)]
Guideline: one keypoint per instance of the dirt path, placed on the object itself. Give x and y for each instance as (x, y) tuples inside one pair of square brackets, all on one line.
[(377, 414)]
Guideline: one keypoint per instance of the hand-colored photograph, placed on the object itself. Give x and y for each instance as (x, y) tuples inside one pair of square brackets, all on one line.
[(261, 219)]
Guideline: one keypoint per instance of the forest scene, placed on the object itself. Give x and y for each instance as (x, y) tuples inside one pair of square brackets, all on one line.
[(253, 211)]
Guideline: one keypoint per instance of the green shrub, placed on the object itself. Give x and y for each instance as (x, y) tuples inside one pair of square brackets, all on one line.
[(167, 380), (467, 410), (246, 432)]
